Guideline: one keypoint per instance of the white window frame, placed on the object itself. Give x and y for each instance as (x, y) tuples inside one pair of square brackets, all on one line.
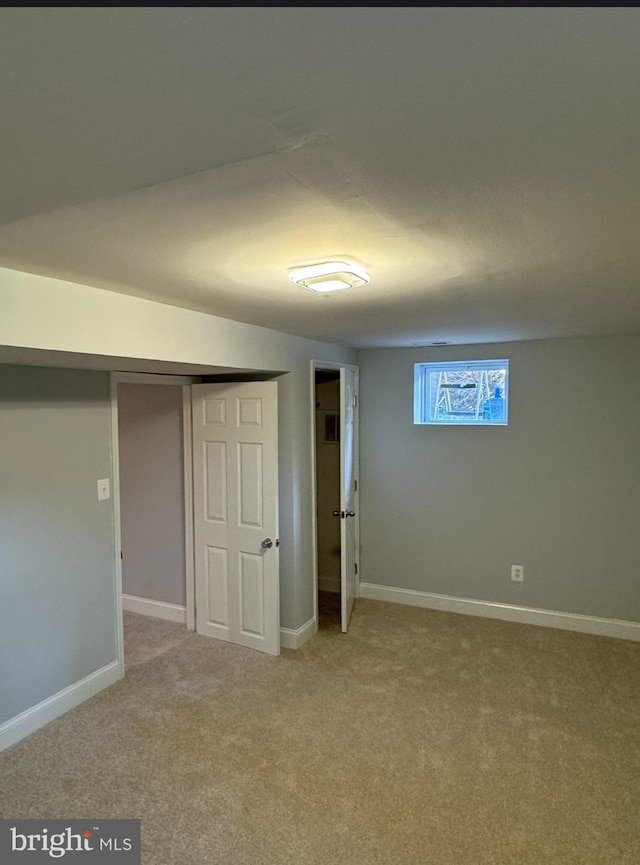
[(422, 401)]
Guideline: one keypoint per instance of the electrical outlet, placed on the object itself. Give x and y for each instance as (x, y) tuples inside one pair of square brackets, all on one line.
[(517, 573), (104, 492)]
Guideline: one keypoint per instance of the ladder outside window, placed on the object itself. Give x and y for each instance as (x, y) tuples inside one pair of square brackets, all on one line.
[(445, 405), (461, 392)]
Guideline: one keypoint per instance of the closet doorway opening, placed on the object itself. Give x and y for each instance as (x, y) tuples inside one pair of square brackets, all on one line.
[(327, 469), (334, 389), (153, 428)]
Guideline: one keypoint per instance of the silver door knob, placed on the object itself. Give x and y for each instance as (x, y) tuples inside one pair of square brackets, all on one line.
[(337, 513), (350, 513), (267, 543)]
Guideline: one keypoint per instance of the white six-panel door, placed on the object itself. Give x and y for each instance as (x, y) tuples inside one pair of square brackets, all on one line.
[(348, 496), (235, 487)]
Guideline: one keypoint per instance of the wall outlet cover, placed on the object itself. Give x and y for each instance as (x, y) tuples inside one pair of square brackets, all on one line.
[(517, 573)]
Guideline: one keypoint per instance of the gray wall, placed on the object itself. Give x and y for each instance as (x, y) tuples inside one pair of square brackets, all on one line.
[(57, 600), (152, 491), (448, 510)]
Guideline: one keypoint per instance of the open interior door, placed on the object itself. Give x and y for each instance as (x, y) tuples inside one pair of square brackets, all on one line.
[(348, 494), (235, 488)]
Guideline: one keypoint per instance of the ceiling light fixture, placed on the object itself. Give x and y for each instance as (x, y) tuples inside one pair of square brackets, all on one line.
[(329, 275)]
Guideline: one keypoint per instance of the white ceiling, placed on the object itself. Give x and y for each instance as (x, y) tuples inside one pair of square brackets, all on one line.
[(482, 163)]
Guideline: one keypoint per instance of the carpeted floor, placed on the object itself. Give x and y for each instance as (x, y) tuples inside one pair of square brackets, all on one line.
[(419, 738), (146, 638)]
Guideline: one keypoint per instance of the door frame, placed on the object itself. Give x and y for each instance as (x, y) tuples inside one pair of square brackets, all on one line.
[(185, 382), (332, 366)]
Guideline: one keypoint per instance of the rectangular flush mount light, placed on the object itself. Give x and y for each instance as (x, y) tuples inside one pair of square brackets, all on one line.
[(329, 275)]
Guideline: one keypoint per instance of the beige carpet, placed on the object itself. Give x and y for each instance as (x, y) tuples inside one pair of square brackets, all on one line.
[(419, 737), (146, 638)]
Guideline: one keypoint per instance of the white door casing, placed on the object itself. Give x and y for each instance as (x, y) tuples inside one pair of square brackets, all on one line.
[(235, 487), (348, 494)]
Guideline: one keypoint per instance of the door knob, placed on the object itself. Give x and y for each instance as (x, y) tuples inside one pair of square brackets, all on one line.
[(338, 513), (350, 514), (267, 543)]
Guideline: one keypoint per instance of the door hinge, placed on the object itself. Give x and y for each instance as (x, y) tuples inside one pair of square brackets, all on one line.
[(355, 486), (356, 564), (355, 400)]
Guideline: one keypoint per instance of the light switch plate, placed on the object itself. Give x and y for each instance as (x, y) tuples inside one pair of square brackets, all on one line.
[(104, 491)]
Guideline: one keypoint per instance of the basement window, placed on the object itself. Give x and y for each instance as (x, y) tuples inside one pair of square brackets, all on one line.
[(468, 393)]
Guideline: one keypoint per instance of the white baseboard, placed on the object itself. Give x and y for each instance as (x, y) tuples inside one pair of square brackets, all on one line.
[(290, 639), (328, 584), (525, 615), (157, 609), (32, 719)]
